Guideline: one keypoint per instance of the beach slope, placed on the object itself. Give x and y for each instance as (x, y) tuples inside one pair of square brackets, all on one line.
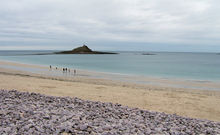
[(32, 113), (193, 103)]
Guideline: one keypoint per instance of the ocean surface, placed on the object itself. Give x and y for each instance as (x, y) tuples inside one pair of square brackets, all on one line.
[(177, 65)]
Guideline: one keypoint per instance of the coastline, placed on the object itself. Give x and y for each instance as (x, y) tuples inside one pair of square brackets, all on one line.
[(125, 78), (188, 102)]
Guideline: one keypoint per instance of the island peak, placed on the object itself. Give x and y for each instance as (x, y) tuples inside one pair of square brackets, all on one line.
[(83, 50)]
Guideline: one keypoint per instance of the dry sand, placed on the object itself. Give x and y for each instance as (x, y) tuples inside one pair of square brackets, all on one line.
[(193, 103)]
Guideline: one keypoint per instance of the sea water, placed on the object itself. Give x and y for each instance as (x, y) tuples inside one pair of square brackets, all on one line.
[(198, 66)]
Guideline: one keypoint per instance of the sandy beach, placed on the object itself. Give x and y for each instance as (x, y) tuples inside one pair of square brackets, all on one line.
[(188, 102)]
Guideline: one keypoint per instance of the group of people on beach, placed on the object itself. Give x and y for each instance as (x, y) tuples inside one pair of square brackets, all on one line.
[(65, 70)]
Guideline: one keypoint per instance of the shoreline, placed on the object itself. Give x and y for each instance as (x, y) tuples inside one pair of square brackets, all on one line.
[(126, 78), (116, 73), (190, 74), (186, 102)]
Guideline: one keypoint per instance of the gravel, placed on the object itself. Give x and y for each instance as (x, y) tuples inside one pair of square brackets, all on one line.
[(32, 113)]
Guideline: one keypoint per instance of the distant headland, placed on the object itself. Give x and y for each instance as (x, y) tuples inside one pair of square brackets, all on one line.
[(83, 50)]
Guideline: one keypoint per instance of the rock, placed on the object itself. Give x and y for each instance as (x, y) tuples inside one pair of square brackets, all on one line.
[(46, 117), (83, 50), (148, 54), (107, 127), (25, 113), (83, 127)]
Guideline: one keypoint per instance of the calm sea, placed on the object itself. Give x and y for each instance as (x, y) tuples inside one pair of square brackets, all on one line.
[(198, 66)]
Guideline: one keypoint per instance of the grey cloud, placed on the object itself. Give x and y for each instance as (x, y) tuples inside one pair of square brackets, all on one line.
[(155, 21)]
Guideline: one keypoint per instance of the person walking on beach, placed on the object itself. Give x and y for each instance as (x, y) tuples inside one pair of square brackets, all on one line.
[(50, 67), (74, 71)]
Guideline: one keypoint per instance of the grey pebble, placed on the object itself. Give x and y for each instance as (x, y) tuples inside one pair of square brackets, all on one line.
[(32, 113)]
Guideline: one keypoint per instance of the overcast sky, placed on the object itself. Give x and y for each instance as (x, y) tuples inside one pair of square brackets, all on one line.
[(150, 25)]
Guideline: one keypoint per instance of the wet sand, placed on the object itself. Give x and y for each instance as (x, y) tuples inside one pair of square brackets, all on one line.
[(203, 104)]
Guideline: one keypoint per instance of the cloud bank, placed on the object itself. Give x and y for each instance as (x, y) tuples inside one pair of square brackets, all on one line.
[(52, 24)]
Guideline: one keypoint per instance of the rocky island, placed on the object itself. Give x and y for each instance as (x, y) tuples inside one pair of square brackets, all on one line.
[(83, 50), (148, 54)]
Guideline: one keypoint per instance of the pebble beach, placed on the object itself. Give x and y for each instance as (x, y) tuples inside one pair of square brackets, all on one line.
[(32, 113)]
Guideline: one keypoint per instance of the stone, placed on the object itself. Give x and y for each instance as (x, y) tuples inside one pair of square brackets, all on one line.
[(25, 113)]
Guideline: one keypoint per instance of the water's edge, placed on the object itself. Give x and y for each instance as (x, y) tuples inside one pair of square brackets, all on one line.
[(166, 82)]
